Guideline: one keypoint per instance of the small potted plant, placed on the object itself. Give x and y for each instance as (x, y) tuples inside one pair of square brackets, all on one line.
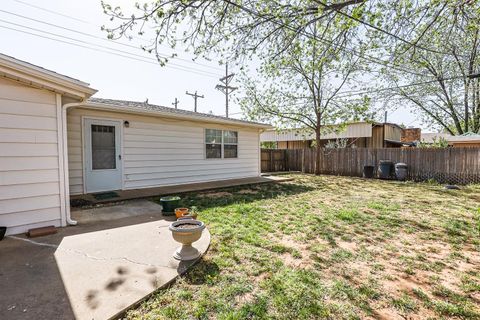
[(169, 204), (186, 231), (193, 213), (180, 212)]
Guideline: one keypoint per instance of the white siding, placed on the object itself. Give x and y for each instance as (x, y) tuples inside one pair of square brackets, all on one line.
[(158, 151), (29, 174)]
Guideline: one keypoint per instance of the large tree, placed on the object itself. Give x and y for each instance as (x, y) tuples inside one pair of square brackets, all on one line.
[(437, 82), (304, 49), (301, 88), (234, 29), (428, 49)]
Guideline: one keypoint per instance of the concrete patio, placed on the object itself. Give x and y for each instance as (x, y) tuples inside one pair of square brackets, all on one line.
[(115, 257)]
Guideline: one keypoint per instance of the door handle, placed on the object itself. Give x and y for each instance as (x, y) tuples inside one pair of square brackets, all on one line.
[(119, 157)]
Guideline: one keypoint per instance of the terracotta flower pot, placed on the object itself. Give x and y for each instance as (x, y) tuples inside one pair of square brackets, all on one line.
[(180, 212)]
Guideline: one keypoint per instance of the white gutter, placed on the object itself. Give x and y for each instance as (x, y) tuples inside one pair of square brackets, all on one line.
[(64, 107)]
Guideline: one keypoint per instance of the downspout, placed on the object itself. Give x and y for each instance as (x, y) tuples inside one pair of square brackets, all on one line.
[(69, 219)]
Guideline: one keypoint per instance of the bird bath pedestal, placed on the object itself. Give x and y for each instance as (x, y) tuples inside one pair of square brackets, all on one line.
[(186, 232)]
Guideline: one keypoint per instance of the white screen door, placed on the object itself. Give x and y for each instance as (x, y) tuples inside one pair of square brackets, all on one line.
[(103, 163)]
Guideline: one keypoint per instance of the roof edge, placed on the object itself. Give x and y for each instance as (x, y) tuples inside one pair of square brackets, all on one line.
[(37, 76), (106, 106)]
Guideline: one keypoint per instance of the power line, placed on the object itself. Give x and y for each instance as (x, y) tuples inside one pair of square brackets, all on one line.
[(104, 51), (349, 94), (51, 11), (355, 93), (163, 55), (345, 48), (105, 47)]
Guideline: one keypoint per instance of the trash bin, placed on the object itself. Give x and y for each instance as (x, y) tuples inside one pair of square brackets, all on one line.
[(385, 169), (401, 171), (368, 171)]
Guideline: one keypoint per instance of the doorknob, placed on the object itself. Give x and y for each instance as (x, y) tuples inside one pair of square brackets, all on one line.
[(119, 157)]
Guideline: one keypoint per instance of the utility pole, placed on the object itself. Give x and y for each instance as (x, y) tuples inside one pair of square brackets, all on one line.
[(195, 97), (225, 87), (175, 103)]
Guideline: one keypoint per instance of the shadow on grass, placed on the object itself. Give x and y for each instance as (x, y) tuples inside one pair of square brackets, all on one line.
[(240, 194), (202, 272)]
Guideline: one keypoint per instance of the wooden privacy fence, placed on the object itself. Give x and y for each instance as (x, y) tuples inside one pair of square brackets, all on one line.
[(445, 165), (274, 160)]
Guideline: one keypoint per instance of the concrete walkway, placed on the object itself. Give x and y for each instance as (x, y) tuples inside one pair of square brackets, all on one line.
[(176, 189), (91, 271)]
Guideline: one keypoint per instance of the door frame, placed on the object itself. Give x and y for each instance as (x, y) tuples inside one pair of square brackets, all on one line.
[(84, 149)]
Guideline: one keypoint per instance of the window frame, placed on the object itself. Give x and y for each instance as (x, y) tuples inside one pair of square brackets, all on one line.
[(222, 144), (229, 144)]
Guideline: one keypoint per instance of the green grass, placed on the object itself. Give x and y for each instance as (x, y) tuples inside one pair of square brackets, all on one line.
[(330, 248)]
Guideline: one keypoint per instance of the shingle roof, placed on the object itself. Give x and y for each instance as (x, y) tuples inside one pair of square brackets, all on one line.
[(31, 65), (143, 106), (429, 137)]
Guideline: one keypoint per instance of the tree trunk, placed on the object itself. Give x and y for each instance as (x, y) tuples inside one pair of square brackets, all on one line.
[(465, 101), (318, 151)]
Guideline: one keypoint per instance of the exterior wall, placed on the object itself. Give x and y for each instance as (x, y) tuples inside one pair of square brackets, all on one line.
[(466, 144), (352, 142), (359, 142), (411, 135), (376, 140), (352, 130), (393, 132), (29, 162), (159, 151), (293, 144)]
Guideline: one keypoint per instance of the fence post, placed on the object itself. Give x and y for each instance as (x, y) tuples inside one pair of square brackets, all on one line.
[(271, 161), (303, 160)]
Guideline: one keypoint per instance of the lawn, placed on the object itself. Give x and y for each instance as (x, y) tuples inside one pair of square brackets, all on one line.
[(331, 247)]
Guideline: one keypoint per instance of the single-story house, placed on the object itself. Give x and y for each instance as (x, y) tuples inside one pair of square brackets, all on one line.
[(57, 141), (356, 134), (467, 140)]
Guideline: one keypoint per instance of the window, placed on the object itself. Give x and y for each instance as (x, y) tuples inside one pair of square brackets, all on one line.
[(220, 144), (103, 147), (230, 144), (213, 143)]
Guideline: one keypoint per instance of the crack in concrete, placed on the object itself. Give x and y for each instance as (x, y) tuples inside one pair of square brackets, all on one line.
[(86, 255), (34, 242)]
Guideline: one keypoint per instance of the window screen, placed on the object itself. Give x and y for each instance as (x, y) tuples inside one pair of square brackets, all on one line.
[(103, 147), (230, 151), (230, 141), (213, 143), (230, 137)]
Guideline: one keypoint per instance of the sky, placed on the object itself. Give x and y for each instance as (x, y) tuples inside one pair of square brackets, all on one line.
[(117, 69)]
